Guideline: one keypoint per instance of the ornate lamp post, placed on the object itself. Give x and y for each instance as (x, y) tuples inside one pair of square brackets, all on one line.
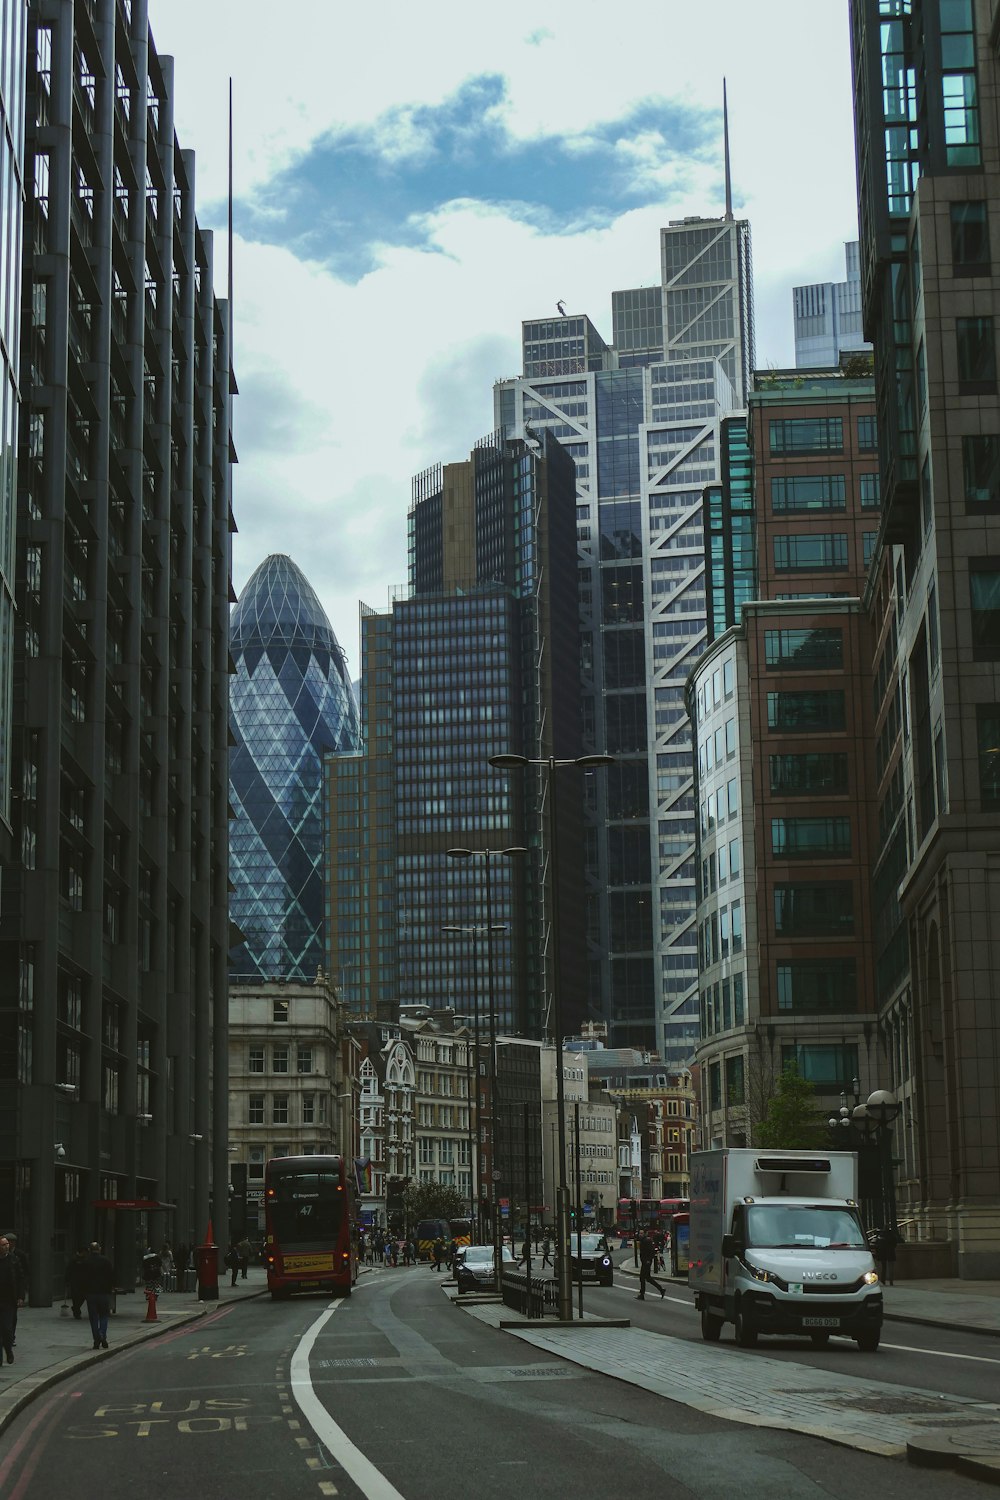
[(549, 764), (867, 1129)]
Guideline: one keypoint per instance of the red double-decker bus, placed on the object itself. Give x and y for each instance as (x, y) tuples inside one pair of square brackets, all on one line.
[(309, 1241), (649, 1213)]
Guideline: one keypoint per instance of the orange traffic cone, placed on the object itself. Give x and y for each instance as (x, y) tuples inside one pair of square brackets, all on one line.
[(150, 1306)]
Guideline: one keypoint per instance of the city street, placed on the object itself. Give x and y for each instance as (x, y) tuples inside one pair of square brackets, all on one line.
[(396, 1391)]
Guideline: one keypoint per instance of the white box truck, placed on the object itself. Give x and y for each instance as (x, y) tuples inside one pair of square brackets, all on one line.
[(777, 1246)]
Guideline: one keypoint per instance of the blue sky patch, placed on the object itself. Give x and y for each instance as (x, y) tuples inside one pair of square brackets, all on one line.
[(359, 187)]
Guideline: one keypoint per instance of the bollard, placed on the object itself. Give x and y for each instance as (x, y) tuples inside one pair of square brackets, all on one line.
[(151, 1306)]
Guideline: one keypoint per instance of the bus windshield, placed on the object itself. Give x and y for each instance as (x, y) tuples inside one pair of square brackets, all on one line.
[(305, 1208), (807, 1226)]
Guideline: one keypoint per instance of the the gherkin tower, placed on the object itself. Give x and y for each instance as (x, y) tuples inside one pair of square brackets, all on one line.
[(291, 702)]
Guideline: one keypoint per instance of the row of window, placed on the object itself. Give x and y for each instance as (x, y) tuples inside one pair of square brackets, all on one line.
[(827, 1065), (791, 493), (819, 434), (312, 1107), (280, 1059)]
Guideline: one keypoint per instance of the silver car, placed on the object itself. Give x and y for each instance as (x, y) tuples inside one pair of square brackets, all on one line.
[(474, 1269)]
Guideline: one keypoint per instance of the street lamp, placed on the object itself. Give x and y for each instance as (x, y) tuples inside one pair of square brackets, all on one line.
[(867, 1128), (473, 931), (550, 764), (513, 851)]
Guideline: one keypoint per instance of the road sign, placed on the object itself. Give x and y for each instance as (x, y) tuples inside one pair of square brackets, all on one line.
[(505, 1210), (504, 1202), (495, 1175)]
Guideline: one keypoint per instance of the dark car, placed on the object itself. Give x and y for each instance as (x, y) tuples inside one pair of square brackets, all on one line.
[(474, 1267), (590, 1253)]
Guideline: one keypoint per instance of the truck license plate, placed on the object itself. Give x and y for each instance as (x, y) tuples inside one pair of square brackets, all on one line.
[(820, 1322)]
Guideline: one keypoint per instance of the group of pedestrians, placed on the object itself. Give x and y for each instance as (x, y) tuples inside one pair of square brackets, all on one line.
[(90, 1279)]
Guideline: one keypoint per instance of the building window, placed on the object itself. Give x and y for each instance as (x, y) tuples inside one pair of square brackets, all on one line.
[(958, 85), (970, 238), (308, 1109), (735, 1088), (805, 492), (279, 1010), (279, 1059), (803, 650), (805, 713), (255, 1109), (810, 838), (981, 470), (977, 361), (867, 435), (821, 774), (984, 592), (827, 1065), (304, 1060), (279, 1109), (255, 1060), (807, 435), (988, 735), (817, 986), (810, 552), (814, 910), (255, 1163), (871, 491)]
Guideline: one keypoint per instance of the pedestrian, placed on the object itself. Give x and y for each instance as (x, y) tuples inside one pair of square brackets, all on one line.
[(76, 1281), (438, 1254), (167, 1265), (232, 1260), (886, 1240), (100, 1283), (647, 1255), (546, 1251), (525, 1250), (245, 1252), (13, 1290)]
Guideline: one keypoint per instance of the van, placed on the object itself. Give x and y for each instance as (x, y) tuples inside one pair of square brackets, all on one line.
[(426, 1232)]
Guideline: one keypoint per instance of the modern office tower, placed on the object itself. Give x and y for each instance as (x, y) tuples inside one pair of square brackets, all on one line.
[(730, 532), (782, 707), (113, 918), (13, 28), (828, 318), (481, 658), (291, 703), (925, 73), (642, 427)]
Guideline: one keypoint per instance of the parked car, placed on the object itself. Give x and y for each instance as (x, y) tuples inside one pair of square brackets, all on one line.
[(474, 1267), (590, 1252)]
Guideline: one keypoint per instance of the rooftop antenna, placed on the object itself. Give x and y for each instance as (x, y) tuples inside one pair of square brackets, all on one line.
[(725, 134)]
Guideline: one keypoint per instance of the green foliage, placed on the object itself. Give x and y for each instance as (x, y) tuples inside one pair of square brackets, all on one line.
[(430, 1200), (792, 1121)]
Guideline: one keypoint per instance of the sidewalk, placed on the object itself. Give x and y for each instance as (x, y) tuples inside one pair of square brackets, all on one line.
[(52, 1344)]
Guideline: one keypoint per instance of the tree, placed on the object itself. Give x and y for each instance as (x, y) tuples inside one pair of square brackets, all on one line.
[(792, 1121), (432, 1200)]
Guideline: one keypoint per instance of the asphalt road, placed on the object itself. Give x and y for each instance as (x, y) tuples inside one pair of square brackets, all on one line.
[(395, 1392)]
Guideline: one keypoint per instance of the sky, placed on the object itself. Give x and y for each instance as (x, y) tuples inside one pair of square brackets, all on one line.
[(411, 181)]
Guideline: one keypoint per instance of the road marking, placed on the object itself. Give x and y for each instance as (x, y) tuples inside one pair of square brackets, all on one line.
[(372, 1484), (979, 1359)]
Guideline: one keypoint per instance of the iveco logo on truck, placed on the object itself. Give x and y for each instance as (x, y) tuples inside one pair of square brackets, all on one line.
[(819, 1275)]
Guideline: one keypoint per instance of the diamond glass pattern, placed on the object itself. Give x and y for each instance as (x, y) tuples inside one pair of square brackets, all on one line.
[(291, 701)]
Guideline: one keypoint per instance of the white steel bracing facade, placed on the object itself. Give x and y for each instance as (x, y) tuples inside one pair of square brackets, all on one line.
[(641, 419)]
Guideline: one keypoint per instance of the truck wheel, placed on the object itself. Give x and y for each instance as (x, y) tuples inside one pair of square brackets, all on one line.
[(819, 1339), (711, 1326), (868, 1342), (746, 1333)]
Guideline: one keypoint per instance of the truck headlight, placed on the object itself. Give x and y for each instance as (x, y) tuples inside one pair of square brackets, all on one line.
[(758, 1273), (871, 1278)]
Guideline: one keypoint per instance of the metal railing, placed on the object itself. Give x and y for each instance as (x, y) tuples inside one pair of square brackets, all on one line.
[(533, 1296)]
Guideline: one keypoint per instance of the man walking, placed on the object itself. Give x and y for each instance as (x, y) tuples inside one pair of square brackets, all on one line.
[(647, 1255), (100, 1284), (13, 1289), (546, 1251)]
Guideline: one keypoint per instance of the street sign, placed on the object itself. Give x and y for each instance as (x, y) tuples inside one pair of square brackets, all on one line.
[(495, 1175), (504, 1202), (505, 1210)]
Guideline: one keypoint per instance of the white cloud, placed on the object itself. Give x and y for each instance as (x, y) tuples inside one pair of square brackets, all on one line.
[(350, 389)]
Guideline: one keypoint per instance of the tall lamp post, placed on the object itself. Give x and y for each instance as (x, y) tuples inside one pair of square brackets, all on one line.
[(473, 931), (514, 851), (867, 1128), (549, 764)]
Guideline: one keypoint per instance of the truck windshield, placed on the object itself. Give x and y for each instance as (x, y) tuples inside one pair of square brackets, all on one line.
[(790, 1226)]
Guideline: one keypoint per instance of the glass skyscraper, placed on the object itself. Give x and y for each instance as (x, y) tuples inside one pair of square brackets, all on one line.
[(291, 702), (640, 418)]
